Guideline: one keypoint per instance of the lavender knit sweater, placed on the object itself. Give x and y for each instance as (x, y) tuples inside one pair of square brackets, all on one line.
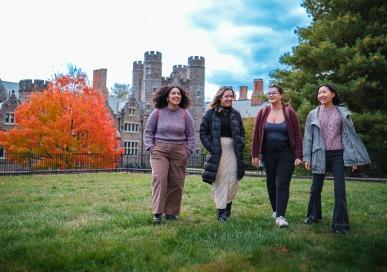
[(170, 126)]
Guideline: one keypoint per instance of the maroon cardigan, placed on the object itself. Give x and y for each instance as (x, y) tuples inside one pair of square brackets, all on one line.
[(294, 132)]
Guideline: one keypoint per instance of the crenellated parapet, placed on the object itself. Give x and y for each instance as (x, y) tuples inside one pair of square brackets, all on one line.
[(179, 67), (151, 56), (138, 65), (196, 61), (32, 85)]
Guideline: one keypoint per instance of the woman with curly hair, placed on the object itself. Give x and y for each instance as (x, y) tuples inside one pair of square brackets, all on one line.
[(169, 137)]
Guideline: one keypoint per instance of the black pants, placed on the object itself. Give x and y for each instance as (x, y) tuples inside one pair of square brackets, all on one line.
[(334, 164), (279, 167)]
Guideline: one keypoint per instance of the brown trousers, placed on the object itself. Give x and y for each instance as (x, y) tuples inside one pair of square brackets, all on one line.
[(168, 163)]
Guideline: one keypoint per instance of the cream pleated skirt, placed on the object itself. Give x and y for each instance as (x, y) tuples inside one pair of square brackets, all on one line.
[(226, 182)]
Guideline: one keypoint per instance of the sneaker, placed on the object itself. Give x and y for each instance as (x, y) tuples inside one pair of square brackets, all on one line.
[(310, 220), (274, 215), (341, 232), (171, 217), (157, 219), (281, 222)]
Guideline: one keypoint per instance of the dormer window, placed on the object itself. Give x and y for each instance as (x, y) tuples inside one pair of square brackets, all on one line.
[(9, 118), (132, 111)]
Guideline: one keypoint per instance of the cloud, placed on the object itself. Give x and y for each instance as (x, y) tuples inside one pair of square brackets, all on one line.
[(240, 40), (254, 34)]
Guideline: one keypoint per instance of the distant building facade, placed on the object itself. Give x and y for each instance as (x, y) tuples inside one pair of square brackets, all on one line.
[(249, 108), (131, 115)]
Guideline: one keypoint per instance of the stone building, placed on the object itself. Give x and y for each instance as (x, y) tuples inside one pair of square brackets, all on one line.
[(249, 108), (147, 77), (130, 115), (12, 95)]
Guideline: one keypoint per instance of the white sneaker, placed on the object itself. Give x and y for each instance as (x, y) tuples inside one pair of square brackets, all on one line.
[(281, 222), (274, 215)]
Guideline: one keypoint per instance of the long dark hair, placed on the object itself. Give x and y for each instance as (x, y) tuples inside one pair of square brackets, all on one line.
[(159, 98), (216, 100), (336, 100)]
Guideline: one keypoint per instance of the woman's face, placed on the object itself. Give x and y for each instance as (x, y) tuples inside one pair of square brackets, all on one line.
[(274, 96), (325, 96), (227, 98), (174, 97)]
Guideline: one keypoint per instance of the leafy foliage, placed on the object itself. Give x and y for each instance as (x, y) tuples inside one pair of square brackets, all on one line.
[(67, 118), (346, 44), (249, 124)]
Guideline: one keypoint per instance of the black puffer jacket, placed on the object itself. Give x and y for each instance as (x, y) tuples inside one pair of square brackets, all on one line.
[(210, 131)]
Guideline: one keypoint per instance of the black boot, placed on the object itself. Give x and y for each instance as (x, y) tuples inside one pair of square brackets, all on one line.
[(157, 219), (222, 217), (228, 209)]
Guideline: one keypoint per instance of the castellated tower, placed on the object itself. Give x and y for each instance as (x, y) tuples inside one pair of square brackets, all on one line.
[(179, 73), (137, 79), (147, 78), (99, 82), (196, 76), (27, 86), (152, 75)]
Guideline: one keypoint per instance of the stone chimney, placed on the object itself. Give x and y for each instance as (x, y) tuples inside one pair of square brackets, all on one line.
[(256, 97), (99, 82), (242, 92)]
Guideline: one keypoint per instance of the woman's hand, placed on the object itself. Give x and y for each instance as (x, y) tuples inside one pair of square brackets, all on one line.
[(255, 161), (354, 168), (297, 162), (308, 166)]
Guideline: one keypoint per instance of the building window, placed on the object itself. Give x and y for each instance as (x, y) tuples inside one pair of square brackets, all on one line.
[(147, 106), (131, 148), (132, 111), (9, 118), (132, 127), (199, 93)]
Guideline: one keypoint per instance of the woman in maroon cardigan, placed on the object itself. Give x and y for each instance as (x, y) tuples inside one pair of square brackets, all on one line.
[(277, 143)]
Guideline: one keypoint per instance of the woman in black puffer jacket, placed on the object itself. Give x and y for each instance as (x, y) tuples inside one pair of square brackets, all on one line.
[(223, 135)]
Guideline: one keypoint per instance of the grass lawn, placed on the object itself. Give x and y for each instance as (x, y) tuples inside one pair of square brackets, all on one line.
[(103, 222)]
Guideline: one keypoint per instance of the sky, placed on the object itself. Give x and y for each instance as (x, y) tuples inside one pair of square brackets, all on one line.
[(241, 40)]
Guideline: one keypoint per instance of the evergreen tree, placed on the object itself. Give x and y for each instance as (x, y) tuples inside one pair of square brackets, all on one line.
[(346, 44)]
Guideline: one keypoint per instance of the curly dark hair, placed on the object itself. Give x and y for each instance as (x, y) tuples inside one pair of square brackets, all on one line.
[(159, 98)]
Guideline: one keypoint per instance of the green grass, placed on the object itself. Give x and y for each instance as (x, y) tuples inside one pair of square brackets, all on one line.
[(102, 222)]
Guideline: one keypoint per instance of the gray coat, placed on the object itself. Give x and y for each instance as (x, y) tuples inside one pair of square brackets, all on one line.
[(354, 152)]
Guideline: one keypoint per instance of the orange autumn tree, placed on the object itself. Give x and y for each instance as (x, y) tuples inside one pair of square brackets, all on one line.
[(67, 125)]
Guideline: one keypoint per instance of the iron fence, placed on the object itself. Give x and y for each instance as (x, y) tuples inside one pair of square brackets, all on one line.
[(31, 164)]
